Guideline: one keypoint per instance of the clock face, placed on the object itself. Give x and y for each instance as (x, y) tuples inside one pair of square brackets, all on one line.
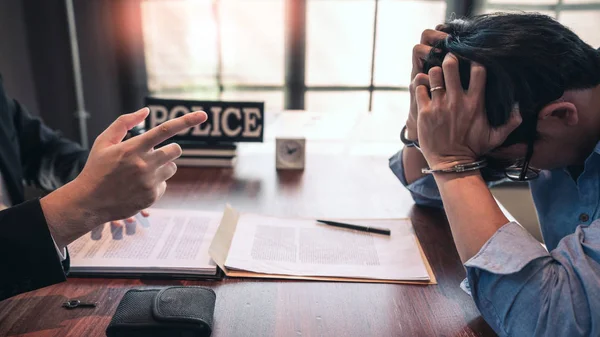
[(290, 152)]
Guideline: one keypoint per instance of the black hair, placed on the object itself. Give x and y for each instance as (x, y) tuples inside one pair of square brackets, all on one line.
[(531, 60)]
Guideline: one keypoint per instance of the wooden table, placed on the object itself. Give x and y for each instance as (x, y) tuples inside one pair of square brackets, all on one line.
[(339, 181)]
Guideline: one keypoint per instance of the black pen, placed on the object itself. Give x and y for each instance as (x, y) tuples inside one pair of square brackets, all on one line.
[(369, 229)]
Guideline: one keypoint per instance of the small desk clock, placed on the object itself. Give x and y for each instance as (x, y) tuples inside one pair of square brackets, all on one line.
[(290, 153)]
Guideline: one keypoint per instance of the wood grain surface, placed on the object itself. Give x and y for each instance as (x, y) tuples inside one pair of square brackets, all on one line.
[(345, 180)]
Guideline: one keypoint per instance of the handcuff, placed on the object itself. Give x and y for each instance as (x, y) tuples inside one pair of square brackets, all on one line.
[(477, 165), (407, 142)]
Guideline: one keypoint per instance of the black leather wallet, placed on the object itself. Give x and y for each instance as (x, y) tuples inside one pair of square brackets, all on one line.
[(168, 312)]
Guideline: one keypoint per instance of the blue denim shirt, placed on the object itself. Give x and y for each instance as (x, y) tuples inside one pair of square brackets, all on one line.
[(522, 289)]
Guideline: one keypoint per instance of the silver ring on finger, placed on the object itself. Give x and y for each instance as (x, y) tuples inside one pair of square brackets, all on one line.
[(436, 88)]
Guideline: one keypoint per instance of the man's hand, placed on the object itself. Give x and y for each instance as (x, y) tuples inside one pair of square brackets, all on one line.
[(420, 51), (453, 125), (454, 129), (120, 223), (119, 179), (412, 159)]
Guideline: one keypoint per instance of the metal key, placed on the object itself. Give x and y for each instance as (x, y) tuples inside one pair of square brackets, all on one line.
[(72, 304)]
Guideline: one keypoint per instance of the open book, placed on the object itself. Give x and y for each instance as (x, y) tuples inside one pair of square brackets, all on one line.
[(168, 243), (193, 243)]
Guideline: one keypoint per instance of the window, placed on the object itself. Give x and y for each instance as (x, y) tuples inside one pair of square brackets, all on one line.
[(180, 38), (215, 49), (371, 60), (358, 52), (585, 23), (582, 16)]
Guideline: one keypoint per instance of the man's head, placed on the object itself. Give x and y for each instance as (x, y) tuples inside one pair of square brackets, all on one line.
[(538, 66)]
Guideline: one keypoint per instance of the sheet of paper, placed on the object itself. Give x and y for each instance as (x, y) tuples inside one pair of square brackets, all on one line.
[(168, 240), (305, 248)]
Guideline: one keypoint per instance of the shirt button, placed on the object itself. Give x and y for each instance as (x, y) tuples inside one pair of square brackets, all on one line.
[(583, 217)]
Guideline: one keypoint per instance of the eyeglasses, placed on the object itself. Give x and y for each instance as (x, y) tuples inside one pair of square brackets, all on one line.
[(499, 169), (521, 171)]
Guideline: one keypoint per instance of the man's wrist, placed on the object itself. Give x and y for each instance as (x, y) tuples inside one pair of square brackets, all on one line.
[(436, 163), (411, 133), (67, 214), (442, 178)]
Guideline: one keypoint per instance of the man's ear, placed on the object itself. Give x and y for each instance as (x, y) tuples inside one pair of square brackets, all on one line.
[(566, 112)]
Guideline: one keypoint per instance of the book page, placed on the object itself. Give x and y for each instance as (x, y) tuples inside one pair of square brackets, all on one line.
[(306, 248), (168, 240)]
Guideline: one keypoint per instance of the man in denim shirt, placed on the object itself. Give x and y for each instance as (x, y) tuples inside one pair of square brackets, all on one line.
[(506, 91)]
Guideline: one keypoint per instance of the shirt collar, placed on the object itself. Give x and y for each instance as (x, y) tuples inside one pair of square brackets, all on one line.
[(597, 148), (592, 155)]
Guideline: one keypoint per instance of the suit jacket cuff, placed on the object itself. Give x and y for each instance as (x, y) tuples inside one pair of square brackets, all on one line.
[(28, 257)]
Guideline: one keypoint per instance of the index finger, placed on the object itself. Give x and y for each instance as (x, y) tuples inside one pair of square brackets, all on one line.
[(452, 75), (420, 52), (430, 36), (422, 97), (477, 80), (168, 129)]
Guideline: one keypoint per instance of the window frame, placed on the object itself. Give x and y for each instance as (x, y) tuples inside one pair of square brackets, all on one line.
[(557, 8), (294, 85)]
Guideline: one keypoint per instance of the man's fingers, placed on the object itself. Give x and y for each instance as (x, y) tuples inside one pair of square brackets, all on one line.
[(118, 129), (145, 213), (420, 79), (422, 96), (162, 187), (165, 154), (166, 171), (451, 75), (420, 52), (436, 82), (430, 36), (515, 120), (441, 26), (477, 81), (500, 133), (118, 223), (168, 129)]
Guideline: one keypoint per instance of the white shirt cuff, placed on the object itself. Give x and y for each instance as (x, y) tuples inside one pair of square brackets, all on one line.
[(62, 253)]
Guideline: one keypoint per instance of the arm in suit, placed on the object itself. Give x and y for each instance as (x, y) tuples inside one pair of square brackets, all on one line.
[(48, 160), (28, 258)]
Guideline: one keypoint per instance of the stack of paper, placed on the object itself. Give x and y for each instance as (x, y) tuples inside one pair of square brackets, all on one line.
[(170, 242), (180, 243), (249, 245)]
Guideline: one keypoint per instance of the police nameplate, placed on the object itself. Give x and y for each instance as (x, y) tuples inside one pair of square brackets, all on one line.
[(227, 121)]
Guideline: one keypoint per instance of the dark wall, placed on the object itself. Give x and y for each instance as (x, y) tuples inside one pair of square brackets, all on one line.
[(15, 62), (36, 61), (98, 63), (129, 47), (48, 42)]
